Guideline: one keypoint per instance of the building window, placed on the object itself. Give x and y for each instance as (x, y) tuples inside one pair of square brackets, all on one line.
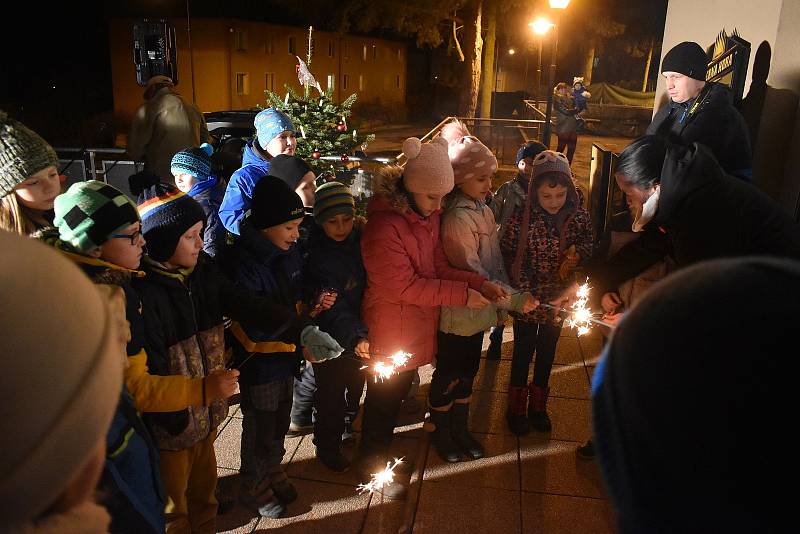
[(360, 82), (374, 52), (331, 49), (240, 40), (345, 50), (242, 83), (292, 47), (399, 54), (331, 82), (269, 44), (269, 78), (345, 80), (364, 53), (397, 81)]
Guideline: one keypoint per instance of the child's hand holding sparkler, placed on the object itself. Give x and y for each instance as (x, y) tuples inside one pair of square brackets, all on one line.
[(325, 301), (493, 291), (362, 349), (610, 303)]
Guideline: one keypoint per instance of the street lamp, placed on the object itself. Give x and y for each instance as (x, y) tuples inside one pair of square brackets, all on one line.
[(540, 27), (558, 6)]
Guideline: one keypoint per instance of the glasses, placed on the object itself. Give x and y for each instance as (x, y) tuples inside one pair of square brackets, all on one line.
[(134, 237)]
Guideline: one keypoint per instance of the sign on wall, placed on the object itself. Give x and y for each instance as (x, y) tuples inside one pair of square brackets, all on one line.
[(730, 56)]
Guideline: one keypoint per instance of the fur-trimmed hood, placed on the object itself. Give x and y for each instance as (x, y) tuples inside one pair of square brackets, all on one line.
[(389, 193)]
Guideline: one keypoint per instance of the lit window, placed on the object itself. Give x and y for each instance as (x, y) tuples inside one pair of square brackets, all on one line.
[(331, 81), (242, 83)]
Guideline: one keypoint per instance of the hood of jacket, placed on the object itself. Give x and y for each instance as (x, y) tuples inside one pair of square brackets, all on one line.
[(685, 170), (388, 194), (253, 154)]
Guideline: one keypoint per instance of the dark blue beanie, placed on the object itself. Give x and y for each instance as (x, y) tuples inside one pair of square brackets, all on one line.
[(530, 150)]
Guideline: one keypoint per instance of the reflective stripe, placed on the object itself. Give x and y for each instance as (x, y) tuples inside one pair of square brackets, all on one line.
[(124, 444), (262, 346)]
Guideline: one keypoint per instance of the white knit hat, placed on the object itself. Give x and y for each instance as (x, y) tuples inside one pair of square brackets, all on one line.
[(468, 156), (61, 379)]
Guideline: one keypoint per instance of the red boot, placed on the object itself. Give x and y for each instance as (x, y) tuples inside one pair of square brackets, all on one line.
[(515, 414), (537, 408)]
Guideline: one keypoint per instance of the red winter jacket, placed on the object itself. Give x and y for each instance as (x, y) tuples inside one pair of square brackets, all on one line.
[(408, 276)]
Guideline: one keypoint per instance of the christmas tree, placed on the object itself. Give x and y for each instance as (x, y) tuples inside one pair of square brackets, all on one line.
[(321, 123)]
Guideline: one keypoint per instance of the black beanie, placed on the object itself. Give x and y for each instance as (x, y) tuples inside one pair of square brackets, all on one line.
[(290, 169), (274, 203), (686, 58), (167, 213)]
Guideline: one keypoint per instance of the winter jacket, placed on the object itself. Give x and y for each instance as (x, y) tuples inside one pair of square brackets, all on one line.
[(565, 115), (510, 196), (408, 277), (714, 123), (260, 268), (470, 243), (581, 102), (703, 213), (162, 126), (549, 237), (209, 194), (339, 266), (239, 193)]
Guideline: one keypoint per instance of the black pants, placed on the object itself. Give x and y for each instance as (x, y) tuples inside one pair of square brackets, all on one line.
[(381, 407), (496, 336), (457, 363), (339, 385), (529, 338), (303, 399)]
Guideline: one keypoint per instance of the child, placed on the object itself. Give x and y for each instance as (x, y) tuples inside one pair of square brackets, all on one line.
[(63, 347), (191, 168), (566, 123), (581, 96), (334, 262), (29, 181), (470, 242), (408, 279), (510, 196), (275, 134), (265, 260), (184, 298), (544, 242), (296, 174)]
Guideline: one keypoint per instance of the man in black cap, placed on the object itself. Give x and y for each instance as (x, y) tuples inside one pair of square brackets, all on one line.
[(701, 111)]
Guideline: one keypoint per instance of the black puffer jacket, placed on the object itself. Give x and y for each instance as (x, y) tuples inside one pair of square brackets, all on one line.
[(714, 123)]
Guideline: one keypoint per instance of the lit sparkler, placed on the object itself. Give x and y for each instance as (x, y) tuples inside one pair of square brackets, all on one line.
[(581, 314), (386, 369), (380, 479)]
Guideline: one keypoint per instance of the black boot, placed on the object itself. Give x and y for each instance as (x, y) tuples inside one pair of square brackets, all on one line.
[(537, 408), (442, 437), (515, 413), (461, 434)]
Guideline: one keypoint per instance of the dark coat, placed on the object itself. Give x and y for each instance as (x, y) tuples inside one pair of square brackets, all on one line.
[(209, 195), (714, 123), (703, 213), (338, 266)]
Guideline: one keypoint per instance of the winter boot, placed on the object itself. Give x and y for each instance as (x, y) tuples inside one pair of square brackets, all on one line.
[(442, 436), (495, 343), (515, 414), (333, 460), (537, 409), (461, 435)]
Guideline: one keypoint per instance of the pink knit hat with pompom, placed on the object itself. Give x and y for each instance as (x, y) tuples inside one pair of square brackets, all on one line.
[(428, 169), (468, 156)]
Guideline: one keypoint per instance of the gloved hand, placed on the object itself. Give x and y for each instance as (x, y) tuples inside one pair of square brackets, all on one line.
[(319, 346)]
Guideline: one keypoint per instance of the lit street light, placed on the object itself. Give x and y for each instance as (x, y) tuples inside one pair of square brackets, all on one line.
[(540, 27), (558, 6)]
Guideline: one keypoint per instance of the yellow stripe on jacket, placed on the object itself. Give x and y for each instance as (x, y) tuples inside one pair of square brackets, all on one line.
[(265, 347), (156, 393)]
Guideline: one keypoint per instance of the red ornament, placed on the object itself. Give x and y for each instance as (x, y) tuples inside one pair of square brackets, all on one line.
[(345, 157), (316, 154), (341, 127)]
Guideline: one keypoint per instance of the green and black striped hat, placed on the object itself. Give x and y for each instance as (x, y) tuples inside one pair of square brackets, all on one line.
[(90, 212), (332, 199)]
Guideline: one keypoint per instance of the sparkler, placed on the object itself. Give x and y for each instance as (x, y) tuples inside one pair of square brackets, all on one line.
[(581, 315), (384, 370), (380, 479)]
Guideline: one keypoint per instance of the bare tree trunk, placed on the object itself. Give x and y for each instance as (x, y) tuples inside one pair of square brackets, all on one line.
[(647, 66), (473, 70), (489, 81), (589, 62)]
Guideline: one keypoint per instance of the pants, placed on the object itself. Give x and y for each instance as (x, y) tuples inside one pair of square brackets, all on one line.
[(381, 407), (339, 382), (568, 140), (529, 338), (457, 363), (496, 335), (303, 413), (190, 478), (266, 409)]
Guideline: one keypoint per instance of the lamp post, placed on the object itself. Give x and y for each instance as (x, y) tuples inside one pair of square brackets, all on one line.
[(558, 6), (540, 27)]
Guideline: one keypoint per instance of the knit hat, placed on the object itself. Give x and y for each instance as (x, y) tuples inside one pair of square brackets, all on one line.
[(332, 199), (166, 215), (59, 393), (428, 169), (88, 213), (550, 161), (468, 156), (269, 124), (22, 154), (195, 161), (290, 169), (686, 58), (530, 150), (274, 203)]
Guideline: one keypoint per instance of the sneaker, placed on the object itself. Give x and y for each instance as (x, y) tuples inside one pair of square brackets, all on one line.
[(586, 451), (285, 491), (299, 430), (267, 504), (333, 460)]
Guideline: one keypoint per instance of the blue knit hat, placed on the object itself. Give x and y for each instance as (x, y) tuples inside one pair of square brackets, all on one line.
[(269, 124), (167, 214), (195, 161), (530, 150)]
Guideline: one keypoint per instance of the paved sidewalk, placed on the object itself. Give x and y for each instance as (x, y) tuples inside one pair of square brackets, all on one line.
[(533, 484)]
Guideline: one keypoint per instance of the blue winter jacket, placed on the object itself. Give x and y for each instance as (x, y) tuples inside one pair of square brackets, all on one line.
[(239, 193), (209, 194), (339, 266)]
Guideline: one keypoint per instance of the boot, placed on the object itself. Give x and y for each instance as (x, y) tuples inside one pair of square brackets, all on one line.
[(495, 343), (537, 408), (461, 435), (442, 436), (515, 414)]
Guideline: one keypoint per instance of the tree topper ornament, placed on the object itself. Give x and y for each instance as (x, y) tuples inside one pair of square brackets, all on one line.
[(305, 77)]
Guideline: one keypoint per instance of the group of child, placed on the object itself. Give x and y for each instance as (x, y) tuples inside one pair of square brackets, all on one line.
[(426, 274)]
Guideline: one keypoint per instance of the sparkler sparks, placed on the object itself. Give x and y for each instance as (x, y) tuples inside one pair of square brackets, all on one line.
[(581, 314), (383, 370), (382, 478)]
